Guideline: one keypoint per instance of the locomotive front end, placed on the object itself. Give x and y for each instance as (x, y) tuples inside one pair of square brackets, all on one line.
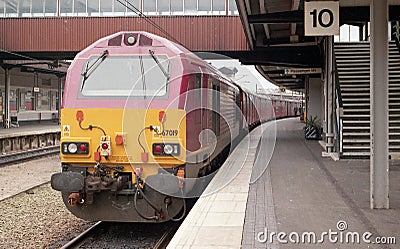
[(123, 133)]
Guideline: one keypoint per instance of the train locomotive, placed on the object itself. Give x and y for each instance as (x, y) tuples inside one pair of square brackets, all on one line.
[(142, 119)]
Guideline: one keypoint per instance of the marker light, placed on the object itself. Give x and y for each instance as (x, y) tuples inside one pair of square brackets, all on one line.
[(82, 148), (158, 149), (104, 146)]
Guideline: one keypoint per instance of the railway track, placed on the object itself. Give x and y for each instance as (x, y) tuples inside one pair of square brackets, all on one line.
[(28, 155), (83, 237), (126, 235), (167, 236)]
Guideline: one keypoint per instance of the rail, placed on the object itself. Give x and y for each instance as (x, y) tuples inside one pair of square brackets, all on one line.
[(102, 235), (163, 242), (74, 243), (338, 106), (28, 155)]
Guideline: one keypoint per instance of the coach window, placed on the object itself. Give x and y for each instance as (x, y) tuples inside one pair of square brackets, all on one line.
[(237, 105), (198, 98), (216, 107)]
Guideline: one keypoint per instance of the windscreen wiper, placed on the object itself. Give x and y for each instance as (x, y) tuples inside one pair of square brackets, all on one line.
[(159, 64), (86, 74)]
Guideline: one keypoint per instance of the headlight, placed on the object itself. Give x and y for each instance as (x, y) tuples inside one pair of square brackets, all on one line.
[(72, 148), (168, 149)]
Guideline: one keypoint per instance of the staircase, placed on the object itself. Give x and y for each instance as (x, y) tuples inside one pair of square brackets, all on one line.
[(353, 65)]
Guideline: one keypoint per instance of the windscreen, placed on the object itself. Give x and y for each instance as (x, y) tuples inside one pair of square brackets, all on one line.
[(126, 76)]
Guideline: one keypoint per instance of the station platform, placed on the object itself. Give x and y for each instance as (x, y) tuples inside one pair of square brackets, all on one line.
[(312, 202), (29, 129)]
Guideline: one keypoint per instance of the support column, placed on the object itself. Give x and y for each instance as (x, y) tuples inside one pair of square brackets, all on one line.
[(329, 95), (379, 163), (7, 92)]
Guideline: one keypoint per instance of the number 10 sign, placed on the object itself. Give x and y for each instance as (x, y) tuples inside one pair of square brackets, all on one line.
[(321, 18)]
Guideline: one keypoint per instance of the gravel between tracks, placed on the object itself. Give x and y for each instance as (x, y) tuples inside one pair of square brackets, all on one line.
[(25, 175), (37, 219)]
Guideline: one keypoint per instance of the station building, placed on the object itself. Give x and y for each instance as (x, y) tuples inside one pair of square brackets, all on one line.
[(39, 38)]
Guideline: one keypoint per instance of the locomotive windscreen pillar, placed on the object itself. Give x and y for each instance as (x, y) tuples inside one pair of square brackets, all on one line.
[(379, 163), (59, 99)]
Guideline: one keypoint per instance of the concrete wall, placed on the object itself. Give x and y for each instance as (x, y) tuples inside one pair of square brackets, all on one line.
[(315, 100)]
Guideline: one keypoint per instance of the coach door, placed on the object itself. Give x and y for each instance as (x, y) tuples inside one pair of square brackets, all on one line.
[(216, 107), (238, 108)]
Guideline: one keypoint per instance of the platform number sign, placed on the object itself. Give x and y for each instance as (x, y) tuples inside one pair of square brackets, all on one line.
[(321, 18)]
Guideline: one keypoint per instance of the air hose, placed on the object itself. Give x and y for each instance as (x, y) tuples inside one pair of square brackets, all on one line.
[(139, 190), (184, 209)]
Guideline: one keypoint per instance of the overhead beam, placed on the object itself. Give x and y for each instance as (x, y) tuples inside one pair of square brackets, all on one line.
[(283, 56), (295, 6), (245, 23), (263, 10)]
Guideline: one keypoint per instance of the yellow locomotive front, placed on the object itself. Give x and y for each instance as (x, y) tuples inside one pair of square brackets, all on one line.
[(123, 133)]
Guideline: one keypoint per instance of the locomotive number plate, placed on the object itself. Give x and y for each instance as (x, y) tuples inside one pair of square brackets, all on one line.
[(170, 133)]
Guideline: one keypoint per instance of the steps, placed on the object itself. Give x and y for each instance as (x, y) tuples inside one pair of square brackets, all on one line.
[(353, 65)]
